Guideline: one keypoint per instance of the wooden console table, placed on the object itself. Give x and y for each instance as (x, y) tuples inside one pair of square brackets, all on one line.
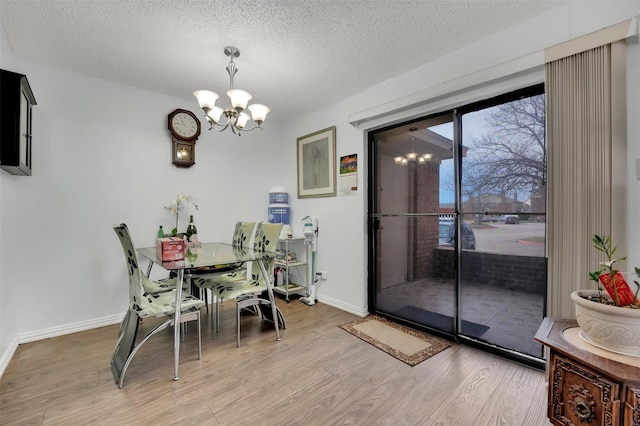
[(588, 385)]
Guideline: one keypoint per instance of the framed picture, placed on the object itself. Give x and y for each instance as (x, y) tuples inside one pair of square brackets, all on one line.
[(317, 164)]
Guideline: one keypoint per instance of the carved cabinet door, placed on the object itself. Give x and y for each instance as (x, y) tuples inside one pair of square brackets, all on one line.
[(632, 407), (580, 396)]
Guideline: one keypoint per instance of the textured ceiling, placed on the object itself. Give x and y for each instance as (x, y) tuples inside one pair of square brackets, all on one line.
[(297, 56)]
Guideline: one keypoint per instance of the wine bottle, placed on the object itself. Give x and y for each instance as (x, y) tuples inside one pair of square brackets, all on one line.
[(160, 232), (191, 230)]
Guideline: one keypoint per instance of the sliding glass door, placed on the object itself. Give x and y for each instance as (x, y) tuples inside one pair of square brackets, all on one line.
[(414, 280), (457, 222)]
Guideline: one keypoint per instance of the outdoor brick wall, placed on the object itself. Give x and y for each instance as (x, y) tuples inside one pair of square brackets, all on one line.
[(511, 272), (427, 199)]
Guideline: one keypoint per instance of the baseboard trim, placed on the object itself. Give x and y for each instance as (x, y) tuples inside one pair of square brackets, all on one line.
[(7, 355), (356, 310), (69, 328)]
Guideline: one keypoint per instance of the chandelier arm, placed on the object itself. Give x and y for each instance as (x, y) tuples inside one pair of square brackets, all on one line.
[(213, 122), (244, 129), (219, 128)]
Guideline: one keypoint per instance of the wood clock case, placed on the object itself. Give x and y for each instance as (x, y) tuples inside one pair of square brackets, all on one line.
[(16, 101), (184, 147)]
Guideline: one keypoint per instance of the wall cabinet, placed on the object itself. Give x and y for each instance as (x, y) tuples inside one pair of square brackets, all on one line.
[(16, 102), (292, 268), (588, 386)]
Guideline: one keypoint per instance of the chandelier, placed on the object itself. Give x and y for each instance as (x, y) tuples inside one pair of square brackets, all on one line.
[(234, 115), (412, 159)]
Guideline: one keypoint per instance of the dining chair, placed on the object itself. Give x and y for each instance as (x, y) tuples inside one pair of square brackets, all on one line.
[(143, 304), (248, 292), (206, 280)]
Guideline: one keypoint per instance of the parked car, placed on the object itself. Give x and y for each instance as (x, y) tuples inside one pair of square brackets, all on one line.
[(448, 232), (511, 219), (487, 218)]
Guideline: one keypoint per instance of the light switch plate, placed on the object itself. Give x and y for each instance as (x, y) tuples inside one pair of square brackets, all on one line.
[(638, 169)]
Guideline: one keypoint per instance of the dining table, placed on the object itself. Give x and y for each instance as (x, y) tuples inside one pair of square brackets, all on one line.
[(208, 256)]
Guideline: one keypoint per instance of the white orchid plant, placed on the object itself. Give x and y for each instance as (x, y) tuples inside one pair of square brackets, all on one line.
[(179, 204)]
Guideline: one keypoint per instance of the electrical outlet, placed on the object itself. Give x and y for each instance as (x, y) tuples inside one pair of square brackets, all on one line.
[(322, 274)]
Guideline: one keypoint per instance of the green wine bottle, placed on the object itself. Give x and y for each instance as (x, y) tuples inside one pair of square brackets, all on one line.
[(160, 232), (191, 229)]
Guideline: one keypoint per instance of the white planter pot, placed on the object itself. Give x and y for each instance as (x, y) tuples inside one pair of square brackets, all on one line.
[(609, 327)]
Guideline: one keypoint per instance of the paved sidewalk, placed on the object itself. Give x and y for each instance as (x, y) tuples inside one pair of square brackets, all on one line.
[(512, 317)]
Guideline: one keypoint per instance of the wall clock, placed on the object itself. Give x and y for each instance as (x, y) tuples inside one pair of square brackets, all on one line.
[(185, 129)]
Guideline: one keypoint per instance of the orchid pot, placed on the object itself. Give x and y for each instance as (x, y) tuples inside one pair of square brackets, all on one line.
[(609, 319), (609, 327)]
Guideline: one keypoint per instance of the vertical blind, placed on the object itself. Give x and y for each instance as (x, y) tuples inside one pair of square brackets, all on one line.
[(586, 143)]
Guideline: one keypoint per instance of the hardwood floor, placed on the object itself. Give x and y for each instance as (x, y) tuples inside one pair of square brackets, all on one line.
[(317, 374)]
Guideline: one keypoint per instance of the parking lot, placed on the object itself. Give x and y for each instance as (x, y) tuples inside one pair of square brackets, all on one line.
[(524, 238)]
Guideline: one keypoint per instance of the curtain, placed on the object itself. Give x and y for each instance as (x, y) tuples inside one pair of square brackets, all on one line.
[(586, 175)]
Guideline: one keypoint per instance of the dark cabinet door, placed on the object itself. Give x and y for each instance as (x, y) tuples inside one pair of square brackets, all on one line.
[(16, 102)]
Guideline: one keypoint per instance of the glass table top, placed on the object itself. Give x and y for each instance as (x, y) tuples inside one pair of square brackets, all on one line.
[(206, 255)]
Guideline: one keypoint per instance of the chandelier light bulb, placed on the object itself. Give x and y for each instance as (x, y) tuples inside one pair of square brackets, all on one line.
[(206, 98), (258, 112), (243, 117), (239, 99), (215, 114)]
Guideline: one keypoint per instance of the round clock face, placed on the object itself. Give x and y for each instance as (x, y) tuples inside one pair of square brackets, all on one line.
[(184, 125)]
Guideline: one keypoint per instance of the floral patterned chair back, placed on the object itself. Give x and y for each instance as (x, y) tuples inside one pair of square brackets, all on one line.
[(242, 233), (136, 290), (265, 241), (141, 301)]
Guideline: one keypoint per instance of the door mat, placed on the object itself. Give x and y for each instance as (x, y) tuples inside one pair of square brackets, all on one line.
[(408, 345), (439, 321)]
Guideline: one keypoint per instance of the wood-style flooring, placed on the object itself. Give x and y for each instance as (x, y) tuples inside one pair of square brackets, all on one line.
[(318, 374)]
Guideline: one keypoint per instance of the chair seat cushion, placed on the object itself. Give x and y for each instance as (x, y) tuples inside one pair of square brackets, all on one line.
[(234, 289), (213, 280), (160, 286), (159, 304)]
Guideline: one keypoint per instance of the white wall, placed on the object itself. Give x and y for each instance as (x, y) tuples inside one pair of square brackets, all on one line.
[(8, 320), (102, 156), (342, 240), (633, 140)]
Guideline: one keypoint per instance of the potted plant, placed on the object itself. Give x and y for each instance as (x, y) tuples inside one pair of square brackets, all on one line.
[(177, 205), (609, 320)]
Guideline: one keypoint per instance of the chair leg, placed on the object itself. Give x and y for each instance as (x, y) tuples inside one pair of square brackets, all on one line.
[(218, 308), (214, 312), (199, 337), (184, 318), (255, 303), (237, 325), (158, 328)]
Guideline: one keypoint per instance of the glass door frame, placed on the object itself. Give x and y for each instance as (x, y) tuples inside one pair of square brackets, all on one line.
[(373, 221)]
